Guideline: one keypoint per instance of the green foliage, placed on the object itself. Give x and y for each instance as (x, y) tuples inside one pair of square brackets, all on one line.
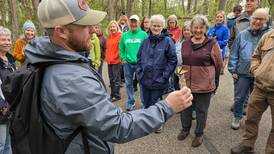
[(26, 11), (213, 8)]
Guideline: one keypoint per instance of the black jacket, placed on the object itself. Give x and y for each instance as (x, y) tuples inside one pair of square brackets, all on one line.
[(5, 70)]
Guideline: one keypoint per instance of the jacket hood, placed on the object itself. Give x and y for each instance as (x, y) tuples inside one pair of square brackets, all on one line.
[(244, 16), (198, 46), (41, 50)]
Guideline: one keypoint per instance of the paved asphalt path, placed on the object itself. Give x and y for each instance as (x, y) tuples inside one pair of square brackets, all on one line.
[(219, 137)]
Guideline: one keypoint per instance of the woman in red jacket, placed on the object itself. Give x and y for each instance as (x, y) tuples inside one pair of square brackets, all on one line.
[(113, 60), (173, 28)]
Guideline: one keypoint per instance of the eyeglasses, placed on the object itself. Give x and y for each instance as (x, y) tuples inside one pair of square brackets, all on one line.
[(258, 19), (156, 26)]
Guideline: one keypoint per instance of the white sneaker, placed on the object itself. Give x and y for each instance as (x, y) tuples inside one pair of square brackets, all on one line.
[(236, 123), (194, 115)]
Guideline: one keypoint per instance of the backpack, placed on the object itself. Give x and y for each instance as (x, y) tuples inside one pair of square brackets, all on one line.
[(30, 134)]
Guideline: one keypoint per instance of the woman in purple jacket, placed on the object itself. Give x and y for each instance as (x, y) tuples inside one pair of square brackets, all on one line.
[(202, 60)]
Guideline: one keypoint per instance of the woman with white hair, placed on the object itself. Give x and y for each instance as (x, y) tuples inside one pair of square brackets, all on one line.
[(156, 61), (6, 67), (202, 60)]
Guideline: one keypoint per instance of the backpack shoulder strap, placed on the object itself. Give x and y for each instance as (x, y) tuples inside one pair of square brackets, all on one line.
[(68, 140), (80, 129)]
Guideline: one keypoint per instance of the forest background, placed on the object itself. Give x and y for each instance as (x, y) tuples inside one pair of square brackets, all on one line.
[(14, 13)]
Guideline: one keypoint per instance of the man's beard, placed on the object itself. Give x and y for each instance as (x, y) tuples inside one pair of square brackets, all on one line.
[(79, 46)]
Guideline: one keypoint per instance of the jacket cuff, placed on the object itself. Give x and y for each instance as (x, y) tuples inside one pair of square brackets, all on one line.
[(166, 109)]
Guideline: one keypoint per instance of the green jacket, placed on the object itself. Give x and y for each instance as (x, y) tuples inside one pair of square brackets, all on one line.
[(130, 44), (95, 53)]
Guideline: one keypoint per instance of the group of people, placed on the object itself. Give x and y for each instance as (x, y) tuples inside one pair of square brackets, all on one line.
[(147, 52)]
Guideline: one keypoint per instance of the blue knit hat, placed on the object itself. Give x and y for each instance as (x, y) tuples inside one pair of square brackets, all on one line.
[(27, 25)]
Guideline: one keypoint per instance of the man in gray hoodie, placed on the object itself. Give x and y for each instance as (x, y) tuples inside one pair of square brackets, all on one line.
[(73, 96)]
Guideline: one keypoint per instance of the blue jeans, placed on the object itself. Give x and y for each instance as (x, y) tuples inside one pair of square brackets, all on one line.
[(5, 147), (243, 89), (100, 69), (129, 70), (151, 96), (171, 87)]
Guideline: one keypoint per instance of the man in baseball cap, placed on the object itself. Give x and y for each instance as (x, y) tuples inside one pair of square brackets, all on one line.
[(73, 95)]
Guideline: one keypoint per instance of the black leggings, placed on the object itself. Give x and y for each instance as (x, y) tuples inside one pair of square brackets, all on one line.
[(200, 104)]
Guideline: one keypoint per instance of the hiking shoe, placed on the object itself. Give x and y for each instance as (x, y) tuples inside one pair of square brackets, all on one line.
[(182, 135), (236, 123), (159, 130), (242, 149), (130, 107), (194, 115), (135, 87), (197, 141), (114, 99), (232, 108), (244, 112)]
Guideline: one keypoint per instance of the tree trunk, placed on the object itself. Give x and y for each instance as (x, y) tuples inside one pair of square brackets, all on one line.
[(35, 4), (205, 7), (3, 13), (27, 9), (123, 6), (111, 9), (14, 19), (144, 8), (183, 6), (165, 6), (129, 7), (150, 8), (195, 5), (188, 5), (222, 4), (271, 9)]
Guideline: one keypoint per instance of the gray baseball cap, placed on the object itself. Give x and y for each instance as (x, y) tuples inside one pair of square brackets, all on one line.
[(62, 12)]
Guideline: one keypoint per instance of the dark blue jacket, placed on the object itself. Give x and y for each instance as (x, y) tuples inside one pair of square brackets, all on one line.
[(222, 35), (156, 61)]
